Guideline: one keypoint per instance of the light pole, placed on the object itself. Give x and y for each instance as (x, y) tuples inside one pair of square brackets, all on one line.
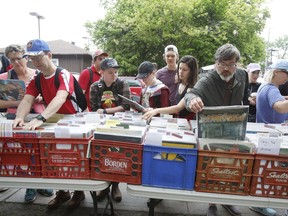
[(38, 17), (87, 47)]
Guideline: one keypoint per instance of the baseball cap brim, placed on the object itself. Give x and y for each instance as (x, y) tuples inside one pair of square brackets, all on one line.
[(99, 54), (280, 64), (103, 53), (105, 68), (141, 76), (33, 53)]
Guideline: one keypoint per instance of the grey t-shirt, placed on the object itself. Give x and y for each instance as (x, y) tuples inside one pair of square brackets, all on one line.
[(168, 78)]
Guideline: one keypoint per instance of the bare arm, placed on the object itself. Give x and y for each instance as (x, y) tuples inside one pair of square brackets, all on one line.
[(111, 110), (281, 106), (23, 109), (165, 110), (50, 110), (9, 103)]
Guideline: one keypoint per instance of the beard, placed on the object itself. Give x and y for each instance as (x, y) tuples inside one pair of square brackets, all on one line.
[(226, 78)]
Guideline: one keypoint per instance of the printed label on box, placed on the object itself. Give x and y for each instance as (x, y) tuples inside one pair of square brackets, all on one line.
[(115, 165), (63, 158), (275, 177), (225, 173)]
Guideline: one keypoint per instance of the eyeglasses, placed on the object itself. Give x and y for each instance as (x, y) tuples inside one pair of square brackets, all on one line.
[(15, 59), (36, 58), (223, 65)]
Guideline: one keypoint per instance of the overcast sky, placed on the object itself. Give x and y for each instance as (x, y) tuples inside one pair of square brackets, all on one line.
[(65, 20)]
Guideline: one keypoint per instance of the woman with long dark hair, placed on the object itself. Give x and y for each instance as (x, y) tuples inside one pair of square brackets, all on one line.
[(186, 78)]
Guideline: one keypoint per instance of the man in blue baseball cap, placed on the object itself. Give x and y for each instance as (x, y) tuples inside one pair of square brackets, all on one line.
[(57, 100), (36, 47)]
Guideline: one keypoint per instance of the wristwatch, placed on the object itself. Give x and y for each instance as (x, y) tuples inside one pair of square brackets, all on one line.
[(41, 118), (104, 111)]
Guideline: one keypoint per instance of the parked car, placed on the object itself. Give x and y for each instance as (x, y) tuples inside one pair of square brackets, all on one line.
[(134, 84), (135, 87)]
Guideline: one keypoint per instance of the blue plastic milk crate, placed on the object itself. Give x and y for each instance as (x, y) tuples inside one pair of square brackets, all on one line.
[(169, 167)]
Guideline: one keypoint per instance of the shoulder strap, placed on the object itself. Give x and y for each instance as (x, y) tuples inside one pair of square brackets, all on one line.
[(10, 74), (56, 78), (91, 75), (37, 82)]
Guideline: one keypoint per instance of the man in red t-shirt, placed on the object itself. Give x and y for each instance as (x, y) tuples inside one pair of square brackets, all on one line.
[(57, 101), (84, 78)]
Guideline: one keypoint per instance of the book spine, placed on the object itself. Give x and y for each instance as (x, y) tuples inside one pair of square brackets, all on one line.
[(117, 138)]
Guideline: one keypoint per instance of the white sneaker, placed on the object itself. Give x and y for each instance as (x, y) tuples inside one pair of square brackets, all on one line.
[(264, 211)]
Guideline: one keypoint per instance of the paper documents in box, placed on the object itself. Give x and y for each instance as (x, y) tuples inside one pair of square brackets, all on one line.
[(170, 138), (176, 138), (222, 122), (225, 145), (171, 123)]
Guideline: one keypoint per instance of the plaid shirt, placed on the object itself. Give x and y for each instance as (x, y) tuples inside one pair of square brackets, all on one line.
[(118, 87)]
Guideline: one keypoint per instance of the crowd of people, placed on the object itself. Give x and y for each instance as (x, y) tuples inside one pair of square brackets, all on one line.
[(174, 89)]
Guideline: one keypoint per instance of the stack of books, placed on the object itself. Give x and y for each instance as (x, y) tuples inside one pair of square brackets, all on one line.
[(6, 127), (120, 132), (171, 137)]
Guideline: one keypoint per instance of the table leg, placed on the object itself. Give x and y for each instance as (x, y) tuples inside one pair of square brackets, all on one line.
[(108, 202), (95, 202), (151, 204)]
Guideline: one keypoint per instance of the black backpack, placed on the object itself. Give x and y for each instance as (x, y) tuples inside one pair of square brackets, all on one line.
[(80, 99), (91, 75)]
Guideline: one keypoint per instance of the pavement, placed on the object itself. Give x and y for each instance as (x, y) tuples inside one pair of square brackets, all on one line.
[(12, 203)]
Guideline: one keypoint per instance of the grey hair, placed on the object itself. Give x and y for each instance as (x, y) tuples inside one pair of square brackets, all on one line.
[(227, 52), (269, 75), (14, 48)]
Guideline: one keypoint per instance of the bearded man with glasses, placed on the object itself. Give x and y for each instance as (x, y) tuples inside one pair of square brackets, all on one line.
[(225, 85)]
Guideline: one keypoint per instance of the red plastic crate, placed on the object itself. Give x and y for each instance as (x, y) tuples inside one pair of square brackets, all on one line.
[(19, 157), (270, 176), (224, 172), (116, 161), (64, 158)]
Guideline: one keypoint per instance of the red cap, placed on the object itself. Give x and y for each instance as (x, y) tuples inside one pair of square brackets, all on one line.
[(98, 53)]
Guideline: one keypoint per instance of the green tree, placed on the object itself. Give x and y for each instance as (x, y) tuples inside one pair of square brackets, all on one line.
[(137, 30), (281, 46)]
